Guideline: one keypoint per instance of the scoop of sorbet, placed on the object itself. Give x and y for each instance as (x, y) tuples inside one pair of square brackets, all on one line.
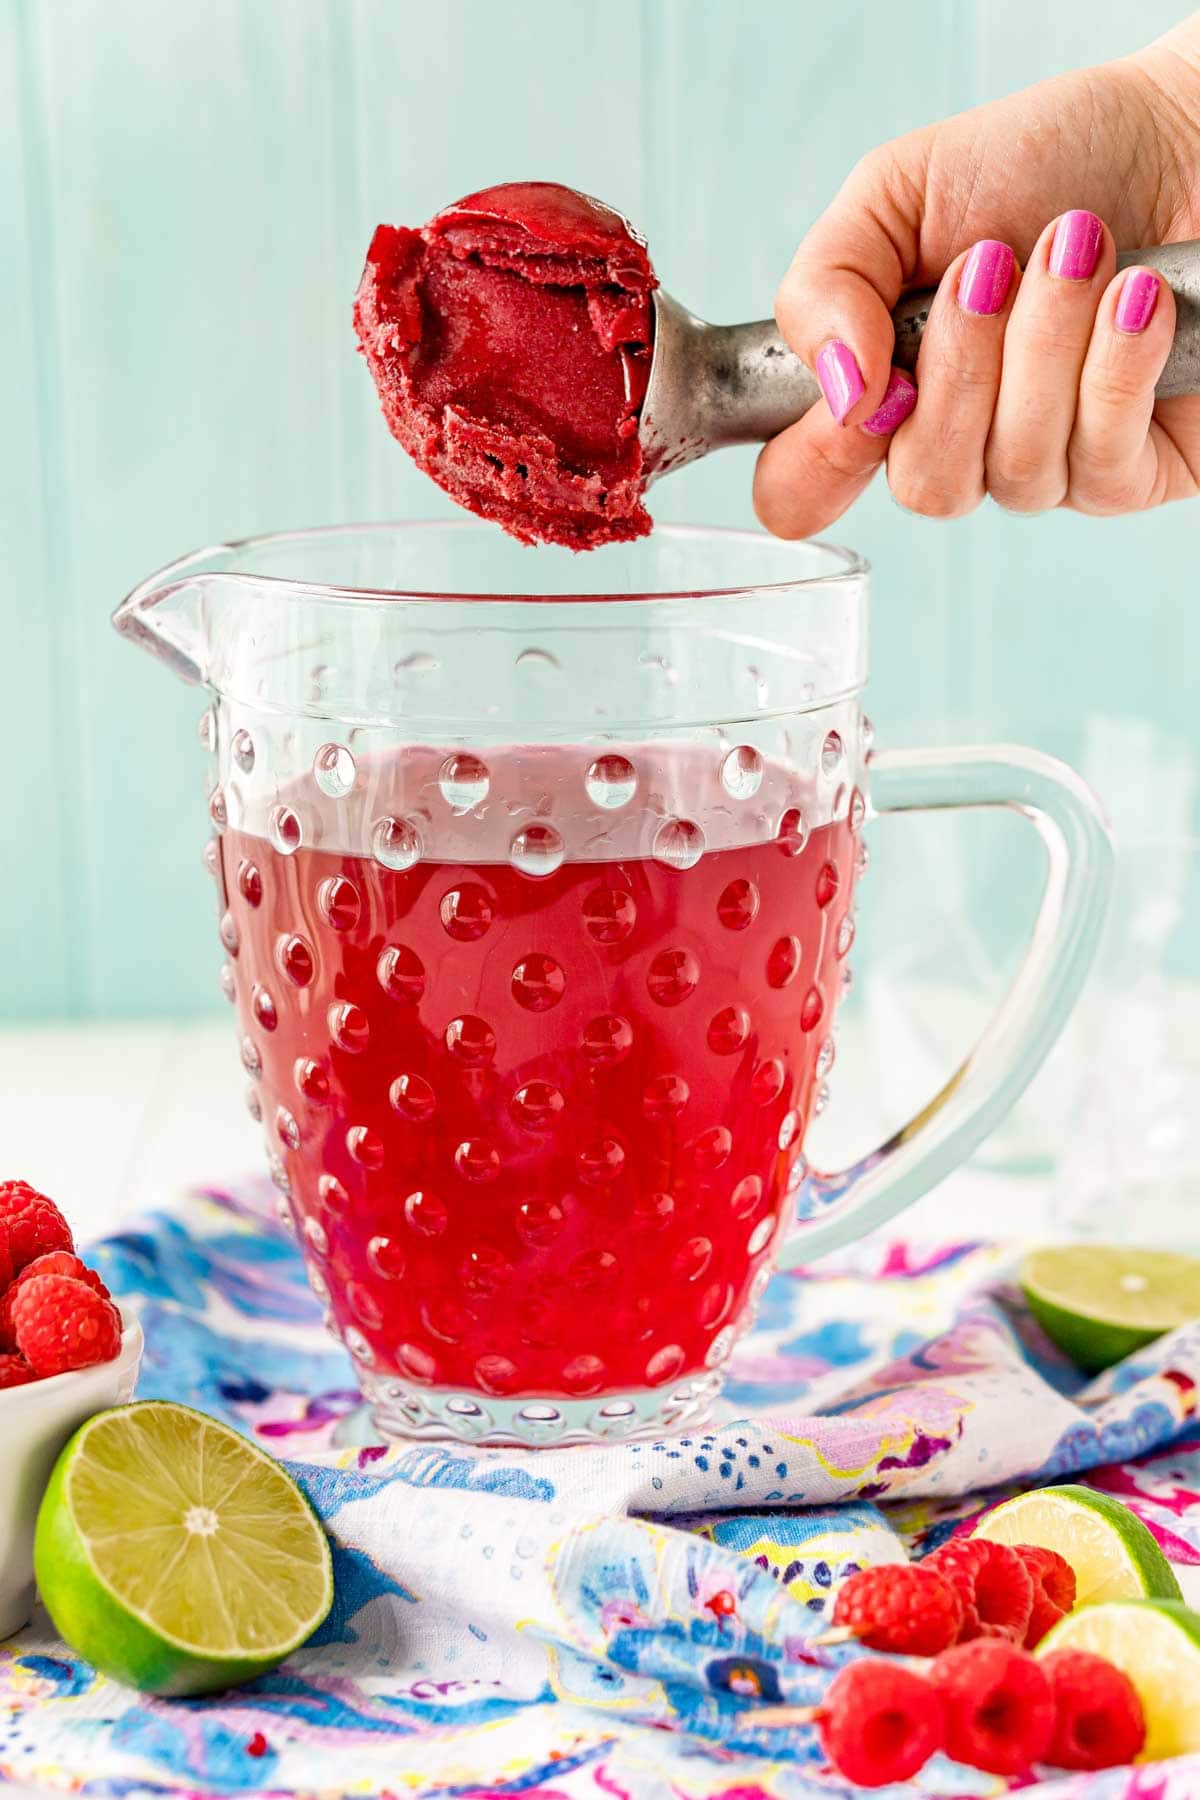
[(510, 343)]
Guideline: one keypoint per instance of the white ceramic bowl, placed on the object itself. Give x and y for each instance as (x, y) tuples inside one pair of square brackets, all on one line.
[(35, 1422)]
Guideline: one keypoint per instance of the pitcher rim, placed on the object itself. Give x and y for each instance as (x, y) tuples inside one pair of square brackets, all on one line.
[(182, 569)]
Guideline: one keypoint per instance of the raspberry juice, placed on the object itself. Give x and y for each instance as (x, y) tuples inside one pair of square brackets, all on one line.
[(536, 1093)]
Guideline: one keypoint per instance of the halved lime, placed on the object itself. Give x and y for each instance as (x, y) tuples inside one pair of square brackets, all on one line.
[(1100, 1302), (175, 1555), (1114, 1556), (1157, 1643)]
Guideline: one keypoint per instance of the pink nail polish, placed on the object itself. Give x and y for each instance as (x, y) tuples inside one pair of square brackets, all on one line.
[(986, 278), (1076, 247), (1136, 301), (840, 378), (898, 401)]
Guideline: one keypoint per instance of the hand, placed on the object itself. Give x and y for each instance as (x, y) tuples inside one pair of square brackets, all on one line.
[(1035, 383)]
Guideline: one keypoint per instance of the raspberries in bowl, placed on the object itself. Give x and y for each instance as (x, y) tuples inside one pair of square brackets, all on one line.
[(56, 1315), (66, 1353)]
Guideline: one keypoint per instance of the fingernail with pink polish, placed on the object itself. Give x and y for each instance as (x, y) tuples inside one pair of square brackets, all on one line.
[(1075, 250), (898, 401), (986, 278), (840, 378), (1136, 301)]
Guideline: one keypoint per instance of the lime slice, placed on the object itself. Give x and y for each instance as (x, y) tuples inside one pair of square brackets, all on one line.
[(1099, 1302), (1113, 1554), (1157, 1643), (175, 1555)]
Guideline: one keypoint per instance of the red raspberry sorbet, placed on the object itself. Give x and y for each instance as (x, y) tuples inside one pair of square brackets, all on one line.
[(510, 342)]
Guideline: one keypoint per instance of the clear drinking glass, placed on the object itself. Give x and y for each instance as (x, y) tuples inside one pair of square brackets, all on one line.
[(536, 891)]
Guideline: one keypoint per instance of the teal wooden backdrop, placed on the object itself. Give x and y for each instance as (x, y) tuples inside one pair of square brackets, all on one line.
[(187, 192)]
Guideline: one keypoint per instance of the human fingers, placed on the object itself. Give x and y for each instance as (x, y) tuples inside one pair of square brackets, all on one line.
[(936, 462), (1045, 347)]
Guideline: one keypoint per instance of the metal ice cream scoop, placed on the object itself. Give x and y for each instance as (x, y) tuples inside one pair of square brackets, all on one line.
[(714, 385)]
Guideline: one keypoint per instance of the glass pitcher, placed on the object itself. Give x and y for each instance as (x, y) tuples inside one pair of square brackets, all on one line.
[(536, 884)]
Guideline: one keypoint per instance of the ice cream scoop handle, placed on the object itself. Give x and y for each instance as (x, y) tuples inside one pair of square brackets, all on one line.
[(759, 386), (1178, 264)]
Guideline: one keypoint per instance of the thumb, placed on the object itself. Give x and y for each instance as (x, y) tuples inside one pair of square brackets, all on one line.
[(834, 304)]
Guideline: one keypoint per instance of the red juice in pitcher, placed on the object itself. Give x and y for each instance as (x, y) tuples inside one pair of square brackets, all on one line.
[(536, 1100), (536, 889)]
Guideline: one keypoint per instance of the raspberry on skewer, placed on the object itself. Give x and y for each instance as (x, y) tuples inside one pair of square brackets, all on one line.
[(1098, 1718), (993, 1583), (906, 1609), (879, 1723), (1053, 1589), (999, 1705)]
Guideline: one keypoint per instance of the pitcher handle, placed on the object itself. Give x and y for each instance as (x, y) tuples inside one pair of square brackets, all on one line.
[(833, 1209)]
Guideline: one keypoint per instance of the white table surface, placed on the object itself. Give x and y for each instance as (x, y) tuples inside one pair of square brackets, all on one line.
[(112, 1119)]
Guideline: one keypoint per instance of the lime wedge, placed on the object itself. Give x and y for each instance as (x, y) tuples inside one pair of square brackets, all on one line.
[(1099, 1302), (1113, 1554), (1157, 1643), (175, 1555)]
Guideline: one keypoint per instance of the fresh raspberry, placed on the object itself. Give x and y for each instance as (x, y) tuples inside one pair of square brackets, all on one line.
[(993, 1584), (55, 1262), (905, 1608), (34, 1223), (15, 1371), (62, 1262), (999, 1707), (16, 1194), (63, 1324), (1053, 1589), (880, 1723), (1098, 1719)]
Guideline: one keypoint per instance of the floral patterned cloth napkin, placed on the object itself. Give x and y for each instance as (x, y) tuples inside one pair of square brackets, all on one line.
[(601, 1622)]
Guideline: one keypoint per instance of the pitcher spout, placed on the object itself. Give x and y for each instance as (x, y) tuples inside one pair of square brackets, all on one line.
[(170, 614)]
